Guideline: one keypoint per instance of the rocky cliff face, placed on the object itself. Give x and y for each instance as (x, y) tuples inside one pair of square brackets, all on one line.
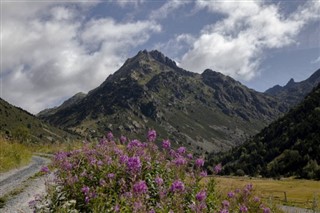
[(207, 112), (294, 92)]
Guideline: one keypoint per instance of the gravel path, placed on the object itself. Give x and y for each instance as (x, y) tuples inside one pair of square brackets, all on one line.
[(16, 178)]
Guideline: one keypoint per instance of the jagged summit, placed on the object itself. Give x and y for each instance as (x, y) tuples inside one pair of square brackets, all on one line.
[(206, 112)]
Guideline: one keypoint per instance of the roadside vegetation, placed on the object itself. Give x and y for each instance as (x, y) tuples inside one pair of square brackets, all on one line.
[(13, 154), (121, 175)]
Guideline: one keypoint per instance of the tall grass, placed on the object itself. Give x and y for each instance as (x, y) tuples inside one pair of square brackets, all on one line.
[(13, 154)]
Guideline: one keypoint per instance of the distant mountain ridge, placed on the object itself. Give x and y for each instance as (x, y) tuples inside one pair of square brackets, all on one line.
[(206, 112), (290, 146), (293, 92)]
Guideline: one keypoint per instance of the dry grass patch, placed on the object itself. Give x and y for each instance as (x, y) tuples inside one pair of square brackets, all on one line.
[(293, 192)]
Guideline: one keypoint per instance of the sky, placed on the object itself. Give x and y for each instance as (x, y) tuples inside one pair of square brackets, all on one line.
[(51, 50)]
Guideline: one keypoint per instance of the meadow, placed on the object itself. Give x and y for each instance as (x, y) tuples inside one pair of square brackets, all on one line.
[(287, 191)]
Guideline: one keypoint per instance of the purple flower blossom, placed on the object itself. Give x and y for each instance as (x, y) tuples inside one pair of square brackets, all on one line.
[(166, 144), (116, 208), (99, 163), (85, 190), (123, 139), (224, 211), (159, 181), (110, 136), (199, 162), (44, 169), (137, 205), (203, 174), (180, 161), (243, 208), (217, 168), (134, 143), (225, 204), (266, 210), (152, 135), (202, 195), (134, 164), (256, 199), (181, 150), (231, 194), (110, 175), (86, 199), (189, 156), (177, 186), (102, 182), (152, 211), (249, 186), (123, 159), (140, 187)]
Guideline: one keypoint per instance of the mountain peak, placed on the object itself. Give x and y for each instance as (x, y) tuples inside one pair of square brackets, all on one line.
[(291, 82)]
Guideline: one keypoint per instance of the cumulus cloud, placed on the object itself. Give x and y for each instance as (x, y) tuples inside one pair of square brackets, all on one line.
[(234, 45), (167, 8), (124, 3), (54, 54)]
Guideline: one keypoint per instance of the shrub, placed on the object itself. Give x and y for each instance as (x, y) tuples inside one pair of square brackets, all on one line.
[(120, 176)]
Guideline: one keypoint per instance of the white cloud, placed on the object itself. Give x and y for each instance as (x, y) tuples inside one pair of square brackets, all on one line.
[(234, 45), (316, 61), (124, 3), (53, 55), (167, 8)]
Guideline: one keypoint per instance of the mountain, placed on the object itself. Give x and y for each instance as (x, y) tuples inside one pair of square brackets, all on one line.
[(289, 146), (294, 92), (205, 112), (18, 123), (70, 102)]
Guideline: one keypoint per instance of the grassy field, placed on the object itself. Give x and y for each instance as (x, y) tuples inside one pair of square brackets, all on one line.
[(13, 155), (292, 192)]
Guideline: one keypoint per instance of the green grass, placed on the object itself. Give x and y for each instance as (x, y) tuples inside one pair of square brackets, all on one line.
[(292, 192), (13, 155)]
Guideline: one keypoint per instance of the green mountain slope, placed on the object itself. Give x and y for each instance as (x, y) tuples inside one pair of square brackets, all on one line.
[(289, 146), (206, 112), (18, 123)]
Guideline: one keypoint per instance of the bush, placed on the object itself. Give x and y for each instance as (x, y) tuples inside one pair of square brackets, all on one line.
[(116, 176)]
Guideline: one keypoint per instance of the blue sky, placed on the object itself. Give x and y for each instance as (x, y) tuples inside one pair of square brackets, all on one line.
[(51, 50)]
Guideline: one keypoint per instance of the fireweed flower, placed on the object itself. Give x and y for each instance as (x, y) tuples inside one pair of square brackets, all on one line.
[(110, 136), (181, 150), (217, 168), (199, 162), (190, 156), (266, 210), (177, 186), (201, 195), (140, 187), (159, 181), (203, 174), (45, 169), (256, 199), (180, 161), (243, 208), (85, 190), (152, 135), (134, 164), (123, 139), (110, 175), (224, 211), (225, 204), (134, 143), (166, 144), (231, 194)]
